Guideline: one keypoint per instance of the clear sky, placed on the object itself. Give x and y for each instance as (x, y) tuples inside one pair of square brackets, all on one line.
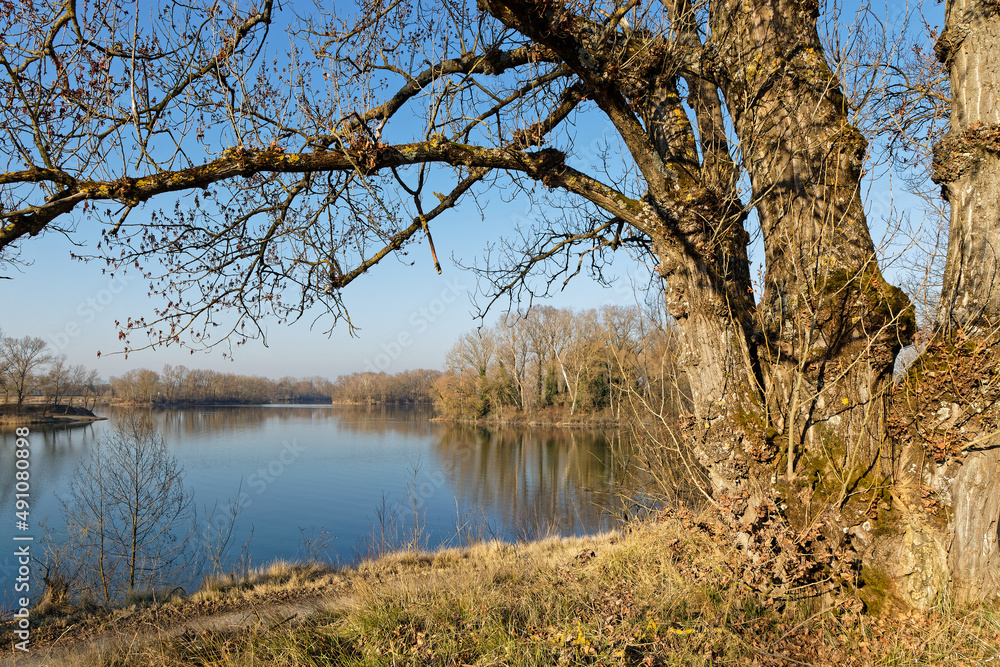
[(408, 316)]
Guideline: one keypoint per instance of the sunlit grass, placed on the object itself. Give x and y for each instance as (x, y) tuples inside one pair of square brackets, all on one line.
[(658, 594)]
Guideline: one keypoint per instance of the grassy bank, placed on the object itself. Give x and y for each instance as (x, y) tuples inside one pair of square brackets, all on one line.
[(13, 415), (658, 594)]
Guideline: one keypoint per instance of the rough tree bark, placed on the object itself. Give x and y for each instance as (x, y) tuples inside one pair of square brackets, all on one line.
[(831, 325), (974, 547), (967, 165)]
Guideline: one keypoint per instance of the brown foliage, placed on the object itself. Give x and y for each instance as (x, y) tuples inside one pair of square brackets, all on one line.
[(950, 397)]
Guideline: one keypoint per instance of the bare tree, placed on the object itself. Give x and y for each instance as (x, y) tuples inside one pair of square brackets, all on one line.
[(58, 380), (83, 383), (474, 350), (577, 356), (172, 382), (465, 389), (412, 386), (23, 357), (139, 386), (623, 344), (127, 514), (546, 331), (578, 353), (512, 356)]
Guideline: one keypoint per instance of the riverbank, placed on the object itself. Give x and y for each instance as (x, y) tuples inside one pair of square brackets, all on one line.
[(663, 592), (12, 415), (552, 417), (389, 404)]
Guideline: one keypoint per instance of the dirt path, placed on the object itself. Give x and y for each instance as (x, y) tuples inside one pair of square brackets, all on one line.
[(72, 648), (82, 642)]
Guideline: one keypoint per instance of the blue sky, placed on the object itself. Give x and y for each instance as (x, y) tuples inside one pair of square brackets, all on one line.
[(408, 316)]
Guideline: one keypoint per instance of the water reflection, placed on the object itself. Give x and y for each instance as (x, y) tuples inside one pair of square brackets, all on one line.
[(384, 419), (55, 451), (347, 458), (381, 419), (534, 479)]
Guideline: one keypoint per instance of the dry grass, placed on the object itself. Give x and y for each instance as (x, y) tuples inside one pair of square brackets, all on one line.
[(266, 582), (660, 594)]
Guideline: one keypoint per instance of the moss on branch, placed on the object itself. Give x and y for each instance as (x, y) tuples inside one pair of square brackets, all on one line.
[(957, 153)]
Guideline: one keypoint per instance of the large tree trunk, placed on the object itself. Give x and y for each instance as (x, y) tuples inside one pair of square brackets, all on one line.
[(806, 374), (974, 556), (714, 325), (831, 325), (708, 292), (706, 275), (966, 165)]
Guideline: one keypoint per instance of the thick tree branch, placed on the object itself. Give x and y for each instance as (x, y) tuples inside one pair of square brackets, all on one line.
[(566, 34), (546, 166), (491, 62)]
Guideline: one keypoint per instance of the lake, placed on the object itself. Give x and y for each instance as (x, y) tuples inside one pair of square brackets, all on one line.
[(326, 474)]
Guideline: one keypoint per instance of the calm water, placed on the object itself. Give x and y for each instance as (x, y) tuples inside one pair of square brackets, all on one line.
[(307, 469)]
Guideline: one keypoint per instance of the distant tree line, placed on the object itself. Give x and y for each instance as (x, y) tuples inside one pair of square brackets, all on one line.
[(180, 385), (560, 360), (411, 386), (582, 362), (28, 369)]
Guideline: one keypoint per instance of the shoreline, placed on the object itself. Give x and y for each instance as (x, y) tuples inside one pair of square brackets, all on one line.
[(36, 414), (532, 421)]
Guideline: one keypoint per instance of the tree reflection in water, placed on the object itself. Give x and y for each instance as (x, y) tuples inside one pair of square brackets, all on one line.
[(512, 482), (534, 480)]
